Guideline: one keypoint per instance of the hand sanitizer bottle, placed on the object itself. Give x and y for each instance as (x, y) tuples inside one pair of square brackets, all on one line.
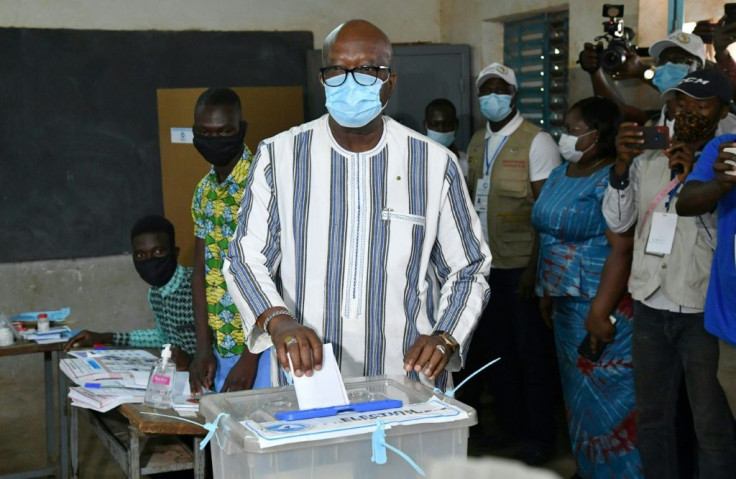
[(161, 381)]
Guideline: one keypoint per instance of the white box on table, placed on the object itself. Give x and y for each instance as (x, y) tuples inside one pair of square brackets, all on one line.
[(237, 453)]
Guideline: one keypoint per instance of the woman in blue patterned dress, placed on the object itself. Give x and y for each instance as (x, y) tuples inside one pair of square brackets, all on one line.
[(582, 276)]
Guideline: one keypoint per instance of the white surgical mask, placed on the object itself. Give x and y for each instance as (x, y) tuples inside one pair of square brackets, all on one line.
[(567, 147), (444, 138)]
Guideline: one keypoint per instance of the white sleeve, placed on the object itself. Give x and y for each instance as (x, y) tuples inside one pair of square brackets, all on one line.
[(254, 254), (461, 260), (620, 205), (544, 156)]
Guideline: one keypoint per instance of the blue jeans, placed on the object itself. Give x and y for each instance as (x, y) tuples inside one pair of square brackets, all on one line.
[(666, 345)]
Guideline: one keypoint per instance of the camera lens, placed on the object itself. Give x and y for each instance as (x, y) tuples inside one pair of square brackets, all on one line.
[(613, 57)]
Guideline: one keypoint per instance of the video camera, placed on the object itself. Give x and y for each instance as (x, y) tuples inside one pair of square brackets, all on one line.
[(613, 56)]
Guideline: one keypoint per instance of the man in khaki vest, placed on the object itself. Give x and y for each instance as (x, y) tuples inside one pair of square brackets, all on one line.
[(509, 161)]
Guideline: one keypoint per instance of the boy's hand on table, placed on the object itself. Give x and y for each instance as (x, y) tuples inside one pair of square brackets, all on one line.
[(202, 372), (87, 339)]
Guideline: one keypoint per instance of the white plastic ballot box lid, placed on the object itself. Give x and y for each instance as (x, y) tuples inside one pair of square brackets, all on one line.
[(260, 405)]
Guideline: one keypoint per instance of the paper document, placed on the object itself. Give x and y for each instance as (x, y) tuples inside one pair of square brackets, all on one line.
[(325, 388)]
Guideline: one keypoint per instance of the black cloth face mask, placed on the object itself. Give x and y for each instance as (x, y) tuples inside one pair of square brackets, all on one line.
[(220, 150), (157, 271)]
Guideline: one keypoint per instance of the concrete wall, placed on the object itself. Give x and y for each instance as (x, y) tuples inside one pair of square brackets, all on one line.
[(104, 294), (404, 21)]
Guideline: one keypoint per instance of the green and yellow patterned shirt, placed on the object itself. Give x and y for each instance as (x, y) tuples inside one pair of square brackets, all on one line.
[(215, 214)]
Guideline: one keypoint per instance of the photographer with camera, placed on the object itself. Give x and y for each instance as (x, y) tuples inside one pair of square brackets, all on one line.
[(617, 60), (674, 57)]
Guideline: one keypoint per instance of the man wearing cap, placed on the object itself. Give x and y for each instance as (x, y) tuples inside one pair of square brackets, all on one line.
[(509, 161), (674, 57), (342, 220), (669, 278)]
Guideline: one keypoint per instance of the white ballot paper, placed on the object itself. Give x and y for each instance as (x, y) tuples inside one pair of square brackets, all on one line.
[(325, 388)]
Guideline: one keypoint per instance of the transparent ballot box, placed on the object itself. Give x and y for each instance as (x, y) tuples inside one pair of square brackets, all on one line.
[(249, 442)]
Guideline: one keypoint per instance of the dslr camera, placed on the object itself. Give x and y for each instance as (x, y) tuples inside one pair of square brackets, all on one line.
[(613, 56)]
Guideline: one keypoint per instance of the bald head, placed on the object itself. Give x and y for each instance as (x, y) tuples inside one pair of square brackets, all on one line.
[(361, 36)]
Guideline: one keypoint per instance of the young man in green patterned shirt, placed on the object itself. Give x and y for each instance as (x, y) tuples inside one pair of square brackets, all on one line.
[(222, 358), (155, 258)]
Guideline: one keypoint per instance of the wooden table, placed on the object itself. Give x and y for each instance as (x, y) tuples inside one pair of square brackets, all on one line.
[(57, 461), (144, 444)]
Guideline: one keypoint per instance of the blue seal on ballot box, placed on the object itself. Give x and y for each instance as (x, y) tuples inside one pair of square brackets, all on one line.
[(287, 428)]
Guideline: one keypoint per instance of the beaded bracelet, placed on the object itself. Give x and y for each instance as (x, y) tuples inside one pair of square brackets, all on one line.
[(278, 312)]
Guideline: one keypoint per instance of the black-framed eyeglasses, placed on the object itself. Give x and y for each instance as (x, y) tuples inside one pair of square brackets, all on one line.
[(365, 75)]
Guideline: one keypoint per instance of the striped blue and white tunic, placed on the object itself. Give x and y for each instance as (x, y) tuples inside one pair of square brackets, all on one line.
[(346, 240)]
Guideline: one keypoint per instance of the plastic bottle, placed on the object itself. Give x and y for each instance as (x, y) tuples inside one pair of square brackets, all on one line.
[(6, 336), (42, 323), (161, 381)]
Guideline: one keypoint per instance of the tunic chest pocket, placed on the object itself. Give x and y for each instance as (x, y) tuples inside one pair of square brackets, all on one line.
[(389, 214)]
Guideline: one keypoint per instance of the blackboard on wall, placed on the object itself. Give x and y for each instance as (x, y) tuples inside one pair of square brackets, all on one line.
[(79, 153)]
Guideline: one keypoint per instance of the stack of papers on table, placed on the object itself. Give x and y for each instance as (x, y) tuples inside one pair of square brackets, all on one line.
[(107, 378), (93, 365), (104, 397), (56, 334)]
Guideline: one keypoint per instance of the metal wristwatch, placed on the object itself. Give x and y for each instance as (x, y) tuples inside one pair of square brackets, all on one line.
[(448, 339)]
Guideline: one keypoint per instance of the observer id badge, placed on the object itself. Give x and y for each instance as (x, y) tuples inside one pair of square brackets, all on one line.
[(661, 233), (482, 187)]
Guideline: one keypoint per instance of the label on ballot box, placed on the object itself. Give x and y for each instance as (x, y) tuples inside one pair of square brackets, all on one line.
[(278, 433)]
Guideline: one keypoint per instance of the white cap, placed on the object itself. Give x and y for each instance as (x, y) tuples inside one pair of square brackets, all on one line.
[(166, 352), (692, 44), (496, 70)]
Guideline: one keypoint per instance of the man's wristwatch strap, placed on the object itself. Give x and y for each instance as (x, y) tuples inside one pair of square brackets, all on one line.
[(448, 339)]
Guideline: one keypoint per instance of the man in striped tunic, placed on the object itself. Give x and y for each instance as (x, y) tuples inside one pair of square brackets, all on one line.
[(341, 220)]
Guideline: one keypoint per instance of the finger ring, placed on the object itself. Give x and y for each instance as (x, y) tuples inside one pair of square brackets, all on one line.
[(441, 349), (289, 340)]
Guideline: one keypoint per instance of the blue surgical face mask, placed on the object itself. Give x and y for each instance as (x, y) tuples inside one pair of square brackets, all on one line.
[(444, 138), (495, 107), (669, 75), (352, 105)]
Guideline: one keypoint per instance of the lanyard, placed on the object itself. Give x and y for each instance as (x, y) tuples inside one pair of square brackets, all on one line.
[(671, 190), (489, 160)]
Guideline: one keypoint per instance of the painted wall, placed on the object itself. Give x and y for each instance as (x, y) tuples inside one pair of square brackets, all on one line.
[(480, 23), (702, 10), (104, 294), (406, 21)]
